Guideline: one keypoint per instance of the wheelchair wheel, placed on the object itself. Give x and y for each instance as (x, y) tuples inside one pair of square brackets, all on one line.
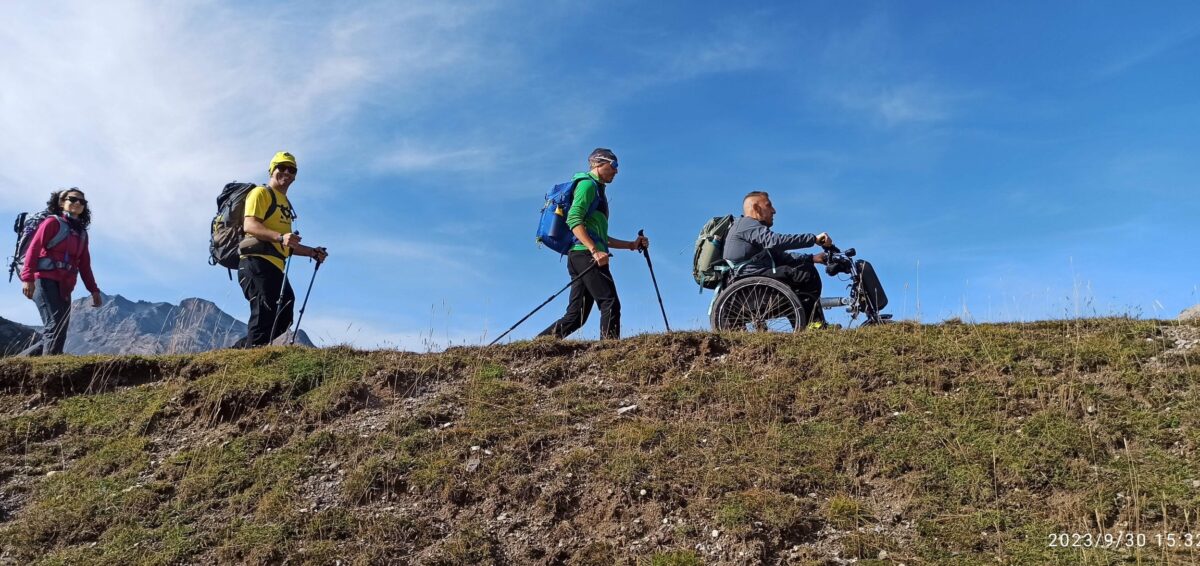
[(758, 304)]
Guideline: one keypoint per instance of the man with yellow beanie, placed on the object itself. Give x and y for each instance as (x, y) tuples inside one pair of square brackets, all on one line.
[(269, 242)]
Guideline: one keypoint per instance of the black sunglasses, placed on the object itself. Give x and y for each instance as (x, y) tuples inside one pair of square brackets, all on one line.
[(286, 169), (74, 200)]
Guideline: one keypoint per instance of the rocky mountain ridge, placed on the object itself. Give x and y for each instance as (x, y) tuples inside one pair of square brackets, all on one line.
[(122, 326)]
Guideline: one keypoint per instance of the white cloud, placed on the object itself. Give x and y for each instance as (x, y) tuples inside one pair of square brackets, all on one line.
[(864, 69), (730, 44), (894, 105), (1149, 50), (452, 261), (151, 107), (909, 104), (409, 155), (732, 50)]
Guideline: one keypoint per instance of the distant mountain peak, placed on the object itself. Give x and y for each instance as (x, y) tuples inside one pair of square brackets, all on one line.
[(123, 326)]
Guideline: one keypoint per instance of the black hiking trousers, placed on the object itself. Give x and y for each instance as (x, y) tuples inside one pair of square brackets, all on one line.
[(805, 280), (595, 287), (261, 282)]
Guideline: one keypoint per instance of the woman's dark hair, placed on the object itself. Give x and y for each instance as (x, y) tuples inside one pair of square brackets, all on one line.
[(54, 205)]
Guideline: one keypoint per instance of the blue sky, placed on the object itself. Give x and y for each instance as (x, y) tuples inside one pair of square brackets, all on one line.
[(1013, 161)]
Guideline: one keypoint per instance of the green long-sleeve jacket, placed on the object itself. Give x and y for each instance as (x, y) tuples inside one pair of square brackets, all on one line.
[(587, 191)]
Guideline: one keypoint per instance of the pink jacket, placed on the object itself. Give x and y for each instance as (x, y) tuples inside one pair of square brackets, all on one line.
[(69, 257)]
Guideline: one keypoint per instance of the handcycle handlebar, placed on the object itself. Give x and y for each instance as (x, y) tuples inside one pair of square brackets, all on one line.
[(837, 261)]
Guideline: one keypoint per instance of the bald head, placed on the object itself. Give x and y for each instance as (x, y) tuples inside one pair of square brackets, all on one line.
[(757, 205), (752, 198)]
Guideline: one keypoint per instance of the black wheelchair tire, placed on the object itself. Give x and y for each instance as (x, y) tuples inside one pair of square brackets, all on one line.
[(739, 306)]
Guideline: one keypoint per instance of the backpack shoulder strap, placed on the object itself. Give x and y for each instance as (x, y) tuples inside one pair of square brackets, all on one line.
[(274, 204), (64, 230)]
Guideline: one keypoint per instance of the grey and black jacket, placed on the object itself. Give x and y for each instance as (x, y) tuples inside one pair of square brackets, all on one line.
[(753, 248)]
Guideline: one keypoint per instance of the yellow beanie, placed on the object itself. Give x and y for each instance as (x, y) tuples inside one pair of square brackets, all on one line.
[(281, 157)]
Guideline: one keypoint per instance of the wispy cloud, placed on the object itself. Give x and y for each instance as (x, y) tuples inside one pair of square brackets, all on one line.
[(728, 49), (152, 107), (1148, 51), (452, 262), (863, 69), (897, 105), (728, 44), (411, 156)]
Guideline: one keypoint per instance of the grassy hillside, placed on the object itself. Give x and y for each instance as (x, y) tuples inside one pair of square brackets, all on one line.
[(946, 444)]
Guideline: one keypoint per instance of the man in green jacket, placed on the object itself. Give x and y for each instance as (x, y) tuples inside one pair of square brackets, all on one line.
[(592, 246)]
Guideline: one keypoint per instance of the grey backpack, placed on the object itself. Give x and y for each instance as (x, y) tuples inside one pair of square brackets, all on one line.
[(227, 233), (25, 225), (709, 246)]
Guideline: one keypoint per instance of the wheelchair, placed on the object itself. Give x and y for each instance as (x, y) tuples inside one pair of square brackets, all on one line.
[(758, 303)]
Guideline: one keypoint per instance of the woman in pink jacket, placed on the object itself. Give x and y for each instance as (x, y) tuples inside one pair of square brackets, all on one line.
[(57, 253)]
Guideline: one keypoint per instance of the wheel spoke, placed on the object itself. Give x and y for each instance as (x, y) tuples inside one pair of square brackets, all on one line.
[(758, 308)]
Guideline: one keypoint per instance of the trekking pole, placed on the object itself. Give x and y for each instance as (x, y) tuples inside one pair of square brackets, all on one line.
[(646, 252), (18, 227), (287, 264), (305, 303), (544, 303)]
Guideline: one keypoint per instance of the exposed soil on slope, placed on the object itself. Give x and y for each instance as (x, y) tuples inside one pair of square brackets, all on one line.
[(904, 444)]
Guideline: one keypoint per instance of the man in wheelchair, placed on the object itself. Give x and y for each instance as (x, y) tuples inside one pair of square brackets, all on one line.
[(752, 248)]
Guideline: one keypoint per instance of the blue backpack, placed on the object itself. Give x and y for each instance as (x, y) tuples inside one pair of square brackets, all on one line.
[(552, 230)]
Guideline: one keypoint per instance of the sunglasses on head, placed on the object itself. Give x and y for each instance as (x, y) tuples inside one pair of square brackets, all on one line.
[(286, 169), (76, 200)]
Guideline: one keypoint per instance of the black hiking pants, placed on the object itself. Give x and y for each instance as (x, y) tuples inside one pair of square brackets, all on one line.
[(261, 283), (805, 280), (595, 287)]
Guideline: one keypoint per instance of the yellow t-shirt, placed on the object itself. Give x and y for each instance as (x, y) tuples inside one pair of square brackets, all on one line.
[(257, 204)]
